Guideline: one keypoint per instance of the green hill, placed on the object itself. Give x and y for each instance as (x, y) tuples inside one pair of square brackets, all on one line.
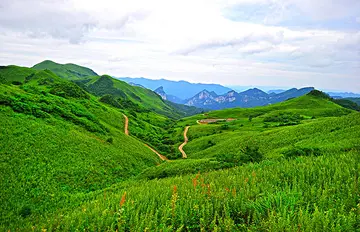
[(67, 165), (139, 98), (66, 71), (14, 74), (354, 99), (58, 141), (150, 116)]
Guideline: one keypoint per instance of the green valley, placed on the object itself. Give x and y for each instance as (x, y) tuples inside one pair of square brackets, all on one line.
[(68, 165)]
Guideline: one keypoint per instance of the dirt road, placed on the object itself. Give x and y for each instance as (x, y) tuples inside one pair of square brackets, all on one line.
[(153, 150), (126, 131), (184, 143)]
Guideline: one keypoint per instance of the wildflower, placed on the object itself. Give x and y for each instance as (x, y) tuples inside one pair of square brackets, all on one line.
[(123, 199), (253, 174), (194, 181), (173, 200), (208, 190), (234, 192)]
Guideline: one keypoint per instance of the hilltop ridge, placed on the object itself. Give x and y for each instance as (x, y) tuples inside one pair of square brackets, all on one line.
[(66, 71)]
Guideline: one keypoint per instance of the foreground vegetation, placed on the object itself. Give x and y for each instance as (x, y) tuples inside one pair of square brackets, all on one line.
[(302, 194)]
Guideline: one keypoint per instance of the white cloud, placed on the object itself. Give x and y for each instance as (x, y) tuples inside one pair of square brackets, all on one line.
[(191, 40)]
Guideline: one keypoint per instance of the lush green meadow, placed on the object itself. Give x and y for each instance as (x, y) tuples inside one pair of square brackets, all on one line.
[(66, 164), (58, 143), (301, 194)]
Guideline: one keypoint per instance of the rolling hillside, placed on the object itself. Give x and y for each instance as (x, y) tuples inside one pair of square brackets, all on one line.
[(149, 115), (66, 163), (354, 99), (14, 74), (58, 141)]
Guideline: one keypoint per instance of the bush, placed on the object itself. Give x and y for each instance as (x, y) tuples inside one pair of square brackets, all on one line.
[(210, 143), (285, 119), (224, 127), (296, 152), (25, 212), (2, 80), (110, 100), (16, 83), (69, 90), (110, 140), (246, 155)]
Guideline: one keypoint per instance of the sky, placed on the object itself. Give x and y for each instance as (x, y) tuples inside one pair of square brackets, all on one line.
[(279, 43)]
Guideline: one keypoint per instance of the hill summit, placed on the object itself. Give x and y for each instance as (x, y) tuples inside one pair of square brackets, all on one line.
[(66, 71)]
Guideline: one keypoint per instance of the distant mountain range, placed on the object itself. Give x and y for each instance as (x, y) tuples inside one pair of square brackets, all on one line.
[(179, 89), (249, 98), (343, 95), (215, 96), (160, 91), (331, 94)]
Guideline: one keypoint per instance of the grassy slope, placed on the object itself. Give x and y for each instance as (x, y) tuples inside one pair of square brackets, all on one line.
[(354, 99), (147, 112), (66, 71), (306, 194), (146, 98), (12, 73), (149, 116), (57, 146), (329, 134), (250, 121)]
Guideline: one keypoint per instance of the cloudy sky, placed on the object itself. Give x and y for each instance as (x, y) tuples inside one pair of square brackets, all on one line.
[(282, 43)]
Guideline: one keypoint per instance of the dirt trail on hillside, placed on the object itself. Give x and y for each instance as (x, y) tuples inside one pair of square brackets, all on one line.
[(126, 127), (184, 143), (153, 150), (126, 131)]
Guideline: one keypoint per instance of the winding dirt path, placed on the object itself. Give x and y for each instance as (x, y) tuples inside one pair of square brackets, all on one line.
[(184, 143), (153, 150), (126, 127), (126, 131)]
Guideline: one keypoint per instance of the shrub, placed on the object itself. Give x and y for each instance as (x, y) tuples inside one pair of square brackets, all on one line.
[(69, 90), (297, 151), (224, 127), (25, 212), (246, 155), (2, 80), (110, 140), (210, 143), (252, 154), (16, 83), (110, 100), (285, 119), (319, 94)]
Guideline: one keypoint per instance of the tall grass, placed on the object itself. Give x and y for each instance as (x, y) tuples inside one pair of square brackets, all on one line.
[(303, 194)]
